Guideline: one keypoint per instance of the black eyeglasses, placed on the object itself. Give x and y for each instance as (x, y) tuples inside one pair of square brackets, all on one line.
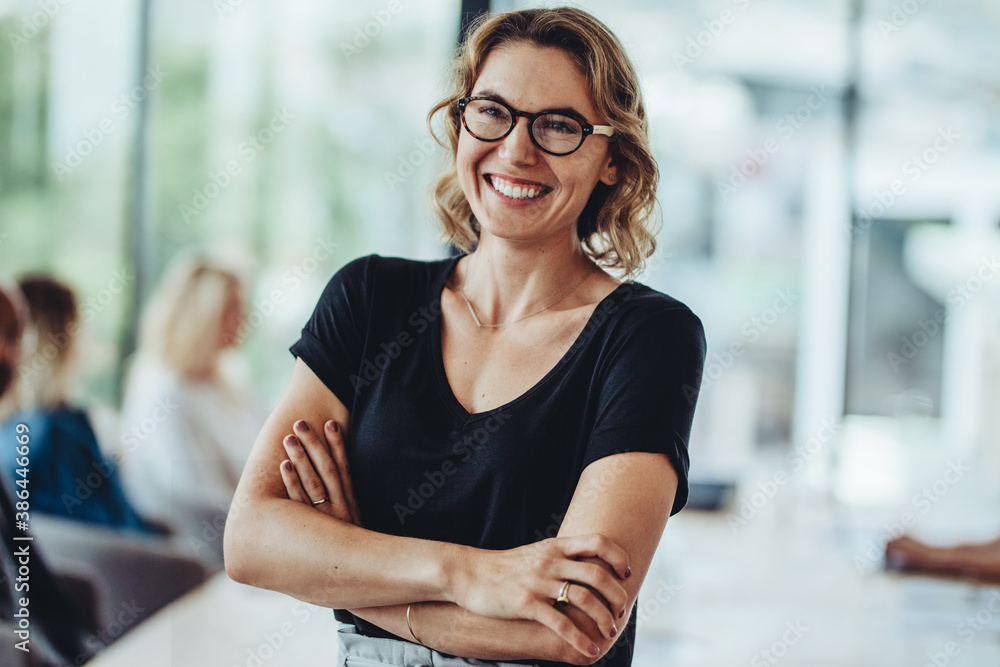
[(552, 131)]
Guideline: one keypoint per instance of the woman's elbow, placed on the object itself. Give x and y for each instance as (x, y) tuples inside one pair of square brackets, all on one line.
[(233, 557), (238, 540)]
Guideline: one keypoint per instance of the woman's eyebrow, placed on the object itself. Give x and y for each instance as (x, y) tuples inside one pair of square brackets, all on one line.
[(497, 97)]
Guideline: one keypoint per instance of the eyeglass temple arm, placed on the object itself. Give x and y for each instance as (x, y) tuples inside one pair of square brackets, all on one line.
[(606, 130)]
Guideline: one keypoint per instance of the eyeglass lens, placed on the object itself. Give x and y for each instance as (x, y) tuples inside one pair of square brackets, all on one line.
[(554, 132)]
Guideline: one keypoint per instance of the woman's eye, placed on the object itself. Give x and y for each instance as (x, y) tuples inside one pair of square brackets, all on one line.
[(559, 126)]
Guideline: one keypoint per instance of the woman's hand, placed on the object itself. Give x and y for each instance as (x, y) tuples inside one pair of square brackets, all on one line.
[(317, 468), (524, 582), (519, 583)]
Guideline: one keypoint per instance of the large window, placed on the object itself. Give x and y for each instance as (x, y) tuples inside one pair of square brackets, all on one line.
[(294, 131)]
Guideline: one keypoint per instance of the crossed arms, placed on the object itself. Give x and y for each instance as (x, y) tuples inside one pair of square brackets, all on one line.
[(477, 603)]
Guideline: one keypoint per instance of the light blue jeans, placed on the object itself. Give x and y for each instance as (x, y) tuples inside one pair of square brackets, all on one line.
[(357, 650)]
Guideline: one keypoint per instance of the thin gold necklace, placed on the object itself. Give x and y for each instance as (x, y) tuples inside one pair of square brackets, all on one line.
[(461, 290)]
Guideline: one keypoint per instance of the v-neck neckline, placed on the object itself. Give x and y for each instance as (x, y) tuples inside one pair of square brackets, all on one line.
[(437, 353)]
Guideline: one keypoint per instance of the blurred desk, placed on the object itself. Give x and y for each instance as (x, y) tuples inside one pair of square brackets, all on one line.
[(794, 580), (723, 593), (225, 623)]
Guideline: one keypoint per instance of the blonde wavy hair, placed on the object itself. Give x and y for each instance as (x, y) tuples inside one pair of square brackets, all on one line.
[(182, 322), (618, 226)]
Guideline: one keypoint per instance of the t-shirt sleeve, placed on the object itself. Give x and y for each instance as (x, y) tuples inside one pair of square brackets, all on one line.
[(649, 389), (333, 339)]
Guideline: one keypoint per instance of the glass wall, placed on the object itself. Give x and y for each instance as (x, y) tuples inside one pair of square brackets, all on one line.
[(805, 148), (292, 132)]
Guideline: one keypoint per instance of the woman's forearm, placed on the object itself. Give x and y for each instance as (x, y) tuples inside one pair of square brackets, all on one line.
[(273, 542), (448, 628), (283, 545), (288, 547)]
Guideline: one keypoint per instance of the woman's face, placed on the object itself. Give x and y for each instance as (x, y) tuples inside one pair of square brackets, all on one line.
[(531, 79)]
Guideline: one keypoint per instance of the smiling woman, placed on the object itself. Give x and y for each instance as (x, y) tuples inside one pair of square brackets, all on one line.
[(497, 489), (588, 67)]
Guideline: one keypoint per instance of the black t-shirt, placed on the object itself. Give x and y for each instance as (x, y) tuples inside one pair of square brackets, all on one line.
[(422, 466)]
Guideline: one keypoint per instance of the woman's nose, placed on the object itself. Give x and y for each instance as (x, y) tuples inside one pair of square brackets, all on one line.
[(517, 146)]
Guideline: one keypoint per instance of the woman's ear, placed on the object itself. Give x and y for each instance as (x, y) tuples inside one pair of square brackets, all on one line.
[(609, 173)]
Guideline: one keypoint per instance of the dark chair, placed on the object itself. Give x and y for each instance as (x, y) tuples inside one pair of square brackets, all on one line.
[(135, 575), (93, 585)]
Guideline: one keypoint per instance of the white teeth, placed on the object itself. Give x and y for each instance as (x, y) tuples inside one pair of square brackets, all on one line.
[(515, 192)]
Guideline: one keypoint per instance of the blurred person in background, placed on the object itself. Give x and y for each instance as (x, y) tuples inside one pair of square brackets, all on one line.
[(975, 560), (189, 413), (70, 476), (53, 616), (10, 334)]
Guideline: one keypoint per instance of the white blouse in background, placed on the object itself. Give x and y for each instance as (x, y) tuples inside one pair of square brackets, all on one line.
[(184, 444)]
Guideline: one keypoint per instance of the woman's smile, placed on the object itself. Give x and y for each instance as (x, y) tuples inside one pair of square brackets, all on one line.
[(516, 191)]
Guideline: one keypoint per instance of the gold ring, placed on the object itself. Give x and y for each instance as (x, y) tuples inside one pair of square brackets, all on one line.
[(563, 594), (319, 502)]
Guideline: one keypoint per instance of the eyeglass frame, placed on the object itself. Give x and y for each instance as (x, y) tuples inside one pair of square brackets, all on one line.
[(586, 128)]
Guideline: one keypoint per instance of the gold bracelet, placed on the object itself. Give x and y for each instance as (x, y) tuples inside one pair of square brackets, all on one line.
[(411, 627)]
